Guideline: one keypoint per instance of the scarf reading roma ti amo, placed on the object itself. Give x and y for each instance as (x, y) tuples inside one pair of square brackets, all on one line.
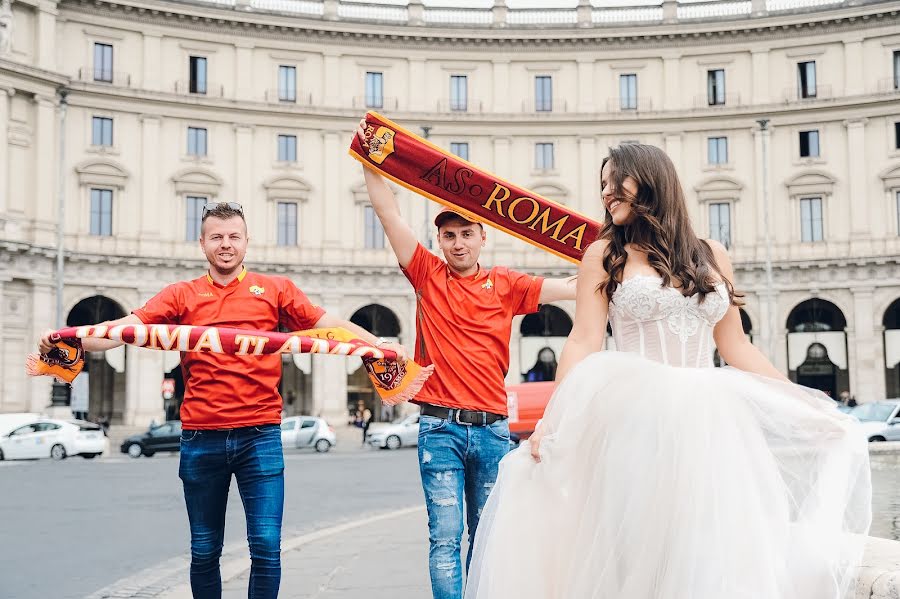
[(395, 381), (428, 170)]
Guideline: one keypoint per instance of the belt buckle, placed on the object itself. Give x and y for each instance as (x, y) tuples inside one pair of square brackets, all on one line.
[(457, 420)]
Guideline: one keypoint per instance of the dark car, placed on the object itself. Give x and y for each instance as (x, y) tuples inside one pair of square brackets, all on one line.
[(165, 437)]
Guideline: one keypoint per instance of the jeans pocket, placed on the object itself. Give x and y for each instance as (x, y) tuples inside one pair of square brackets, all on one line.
[(430, 424), (267, 428), (188, 436), (500, 429)]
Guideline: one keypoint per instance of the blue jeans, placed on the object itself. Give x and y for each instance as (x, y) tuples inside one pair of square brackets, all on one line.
[(456, 461), (208, 460)]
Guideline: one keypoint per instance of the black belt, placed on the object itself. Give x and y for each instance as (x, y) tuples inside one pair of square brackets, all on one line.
[(467, 417)]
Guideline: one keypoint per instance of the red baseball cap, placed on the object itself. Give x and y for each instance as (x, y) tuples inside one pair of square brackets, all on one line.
[(448, 213)]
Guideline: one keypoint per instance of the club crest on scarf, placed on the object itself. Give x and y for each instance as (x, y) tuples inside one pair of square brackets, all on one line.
[(388, 374), (381, 143)]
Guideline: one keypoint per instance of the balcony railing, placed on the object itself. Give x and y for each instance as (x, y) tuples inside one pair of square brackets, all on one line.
[(104, 76), (558, 105), (278, 96), (631, 106), (209, 89), (470, 106), (822, 92), (891, 85), (374, 103), (731, 100), (613, 12)]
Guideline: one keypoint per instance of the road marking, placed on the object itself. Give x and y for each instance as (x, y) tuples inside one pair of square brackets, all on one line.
[(166, 580)]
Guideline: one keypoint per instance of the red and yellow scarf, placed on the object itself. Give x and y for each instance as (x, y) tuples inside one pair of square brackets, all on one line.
[(394, 381), (428, 170)]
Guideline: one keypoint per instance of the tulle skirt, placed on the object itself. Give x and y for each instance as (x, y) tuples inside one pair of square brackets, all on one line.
[(678, 483)]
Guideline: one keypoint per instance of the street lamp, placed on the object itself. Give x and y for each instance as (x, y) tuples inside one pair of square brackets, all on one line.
[(59, 395), (770, 285), (426, 129)]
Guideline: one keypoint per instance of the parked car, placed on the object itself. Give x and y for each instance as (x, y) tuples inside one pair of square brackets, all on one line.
[(51, 438), (307, 431), (164, 437), (880, 420), (11, 420), (526, 403), (403, 432)]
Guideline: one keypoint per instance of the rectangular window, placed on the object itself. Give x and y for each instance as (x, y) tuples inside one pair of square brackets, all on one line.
[(460, 148), (374, 231), (717, 150), (898, 213), (287, 84), (806, 79), (720, 223), (101, 212), (196, 141), (896, 69), (459, 92), (287, 223), (628, 92), (197, 84), (374, 90), (897, 135), (715, 87), (102, 131), (809, 144), (103, 62), (287, 148), (811, 219), (194, 217), (543, 93), (543, 156)]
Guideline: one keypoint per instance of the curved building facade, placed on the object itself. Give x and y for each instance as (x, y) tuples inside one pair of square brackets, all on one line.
[(782, 116)]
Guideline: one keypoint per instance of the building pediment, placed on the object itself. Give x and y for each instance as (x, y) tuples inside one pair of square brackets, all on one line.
[(550, 190), (891, 177), (103, 172), (719, 188), (810, 183), (197, 180), (287, 188)]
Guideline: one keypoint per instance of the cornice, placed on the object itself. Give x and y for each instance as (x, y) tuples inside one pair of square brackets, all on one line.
[(272, 26)]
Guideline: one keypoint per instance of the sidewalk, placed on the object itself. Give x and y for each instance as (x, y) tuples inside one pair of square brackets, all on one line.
[(383, 557)]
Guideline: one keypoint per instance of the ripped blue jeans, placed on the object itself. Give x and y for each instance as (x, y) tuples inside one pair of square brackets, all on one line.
[(456, 462)]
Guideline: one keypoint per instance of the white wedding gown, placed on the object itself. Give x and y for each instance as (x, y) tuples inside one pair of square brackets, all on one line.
[(663, 477)]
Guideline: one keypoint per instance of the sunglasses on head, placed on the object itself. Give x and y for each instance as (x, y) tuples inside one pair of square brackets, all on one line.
[(209, 207)]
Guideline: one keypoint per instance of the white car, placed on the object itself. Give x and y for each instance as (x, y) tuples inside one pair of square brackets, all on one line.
[(50, 438), (403, 432), (307, 431), (880, 420)]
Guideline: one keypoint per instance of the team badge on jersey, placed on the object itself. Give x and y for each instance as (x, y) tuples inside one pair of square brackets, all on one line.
[(257, 290)]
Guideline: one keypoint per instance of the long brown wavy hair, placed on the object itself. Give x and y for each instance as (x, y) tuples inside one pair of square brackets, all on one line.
[(660, 225)]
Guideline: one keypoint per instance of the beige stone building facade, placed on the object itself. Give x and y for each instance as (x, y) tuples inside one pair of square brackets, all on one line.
[(783, 117)]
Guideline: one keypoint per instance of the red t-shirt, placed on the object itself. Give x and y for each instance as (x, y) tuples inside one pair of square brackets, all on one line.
[(224, 391), (463, 326)]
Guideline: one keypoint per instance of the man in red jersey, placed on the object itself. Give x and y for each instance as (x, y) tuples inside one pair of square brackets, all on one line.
[(231, 413), (463, 325)]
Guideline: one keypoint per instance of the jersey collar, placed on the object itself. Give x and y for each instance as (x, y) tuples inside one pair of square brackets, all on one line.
[(239, 278)]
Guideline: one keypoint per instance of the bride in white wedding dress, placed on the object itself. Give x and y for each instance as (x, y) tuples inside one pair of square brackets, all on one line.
[(655, 475)]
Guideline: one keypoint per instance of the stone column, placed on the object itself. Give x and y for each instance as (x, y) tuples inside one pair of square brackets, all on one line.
[(149, 174), (6, 94), (869, 364), (43, 308), (587, 196), (586, 85), (329, 377), (501, 242), (857, 178), (760, 68), (501, 101), (331, 80), (45, 155), (244, 79), (854, 84), (243, 176), (143, 386), (45, 37), (760, 196), (151, 77), (415, 90), (671, 98), (331, 214)]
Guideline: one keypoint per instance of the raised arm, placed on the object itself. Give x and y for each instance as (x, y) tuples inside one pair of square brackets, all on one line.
[(733, 345), (553, 290), (591, 311), (399, 233)]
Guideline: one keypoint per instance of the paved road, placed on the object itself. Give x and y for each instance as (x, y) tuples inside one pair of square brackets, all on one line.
[(70, 528)]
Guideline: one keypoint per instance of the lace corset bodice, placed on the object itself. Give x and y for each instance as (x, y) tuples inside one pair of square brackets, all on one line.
[(661, 324)]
